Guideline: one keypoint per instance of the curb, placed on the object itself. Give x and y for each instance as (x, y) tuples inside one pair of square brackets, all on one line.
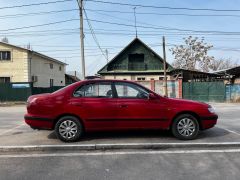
[(127, 146)]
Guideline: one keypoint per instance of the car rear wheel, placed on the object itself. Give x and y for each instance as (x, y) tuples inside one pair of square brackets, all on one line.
[(68, 129), (185, 127)]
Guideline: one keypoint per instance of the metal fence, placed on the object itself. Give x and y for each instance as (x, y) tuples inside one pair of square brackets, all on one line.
[(204, 91), (21, 91), (15, 91), (173, 87), (233, 92)]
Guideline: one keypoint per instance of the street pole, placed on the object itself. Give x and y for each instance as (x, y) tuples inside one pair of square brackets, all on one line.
[(164, 67), (106, 51), (80, 5)]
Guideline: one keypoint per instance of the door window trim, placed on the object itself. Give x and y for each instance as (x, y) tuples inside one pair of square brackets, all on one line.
[(102, 82), (140, 87)]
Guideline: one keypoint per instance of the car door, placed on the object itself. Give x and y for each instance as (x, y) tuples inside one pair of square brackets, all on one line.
[(97, 105), (136, 110)]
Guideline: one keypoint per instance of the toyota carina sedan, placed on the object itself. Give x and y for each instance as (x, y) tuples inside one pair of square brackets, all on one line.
[(100, 105)]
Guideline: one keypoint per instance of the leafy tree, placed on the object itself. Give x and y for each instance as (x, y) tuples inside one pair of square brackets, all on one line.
[(193, 55)]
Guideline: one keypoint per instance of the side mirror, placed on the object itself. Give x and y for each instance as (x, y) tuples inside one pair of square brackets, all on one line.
[(151, 96)]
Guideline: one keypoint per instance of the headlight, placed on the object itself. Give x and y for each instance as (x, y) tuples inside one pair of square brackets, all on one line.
[(211, 110)]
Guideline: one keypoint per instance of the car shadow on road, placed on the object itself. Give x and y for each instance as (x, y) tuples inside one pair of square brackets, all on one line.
[(146, 134)]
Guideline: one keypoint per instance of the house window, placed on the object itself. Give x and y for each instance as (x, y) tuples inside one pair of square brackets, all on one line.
[(5, 55), (141, 78), (51, 82), (4, 79), (136, 62), (60, 68), (51, 66)]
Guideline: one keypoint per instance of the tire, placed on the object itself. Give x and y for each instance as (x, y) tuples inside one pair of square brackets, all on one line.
[(69, 129), (185, 127)]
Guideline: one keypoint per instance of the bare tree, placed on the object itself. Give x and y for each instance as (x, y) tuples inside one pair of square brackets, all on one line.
[(5, 39), (193, 55), (219, 64)]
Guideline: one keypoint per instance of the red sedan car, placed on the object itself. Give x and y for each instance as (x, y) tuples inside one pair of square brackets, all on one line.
[(95, 105)]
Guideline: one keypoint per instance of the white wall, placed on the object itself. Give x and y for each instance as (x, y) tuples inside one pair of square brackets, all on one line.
[(40, 67), (17, 67)]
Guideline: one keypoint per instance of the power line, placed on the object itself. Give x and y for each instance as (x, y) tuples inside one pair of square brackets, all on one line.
[(111, 11), (34, 4), (162, 27), (165, 7), (35, 13), (105, 31), (93, 35), (139, 22), (39, 25), (164, 14), (126, 25)]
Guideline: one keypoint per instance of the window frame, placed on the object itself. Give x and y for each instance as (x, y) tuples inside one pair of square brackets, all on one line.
[(141, 78), (131, 84), (9, 78), (100, 97), (6, 51)]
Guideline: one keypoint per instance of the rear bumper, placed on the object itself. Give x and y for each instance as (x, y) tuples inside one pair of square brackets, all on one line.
[(37, 122), (208, 121)]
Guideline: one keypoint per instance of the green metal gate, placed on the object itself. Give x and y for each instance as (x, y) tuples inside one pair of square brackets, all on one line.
[(204, 91), (15, 91)]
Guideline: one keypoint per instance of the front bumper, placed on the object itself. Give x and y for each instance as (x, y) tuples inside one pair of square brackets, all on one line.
[(39, 122), (208, 121)]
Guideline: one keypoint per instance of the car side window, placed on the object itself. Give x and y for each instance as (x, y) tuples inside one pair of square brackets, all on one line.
[(128, 90), (96, 90)]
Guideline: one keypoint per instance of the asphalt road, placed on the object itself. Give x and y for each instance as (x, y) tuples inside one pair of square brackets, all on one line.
[(145, 165), (169, 164), (13, 130)]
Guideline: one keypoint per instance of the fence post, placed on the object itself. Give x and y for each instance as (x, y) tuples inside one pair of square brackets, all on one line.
[(152, 82), (180, 88)]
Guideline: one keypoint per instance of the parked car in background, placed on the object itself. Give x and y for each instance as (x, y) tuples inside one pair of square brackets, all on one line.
[(100, 105)]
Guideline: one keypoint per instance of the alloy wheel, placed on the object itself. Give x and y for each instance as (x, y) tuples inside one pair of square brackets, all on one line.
[(68, 129), (186, 127)]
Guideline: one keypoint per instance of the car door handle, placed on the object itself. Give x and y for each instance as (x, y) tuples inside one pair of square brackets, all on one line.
[(76, 104), (123, 106)]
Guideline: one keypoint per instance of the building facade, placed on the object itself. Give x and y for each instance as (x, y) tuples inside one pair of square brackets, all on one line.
[(18, 64), (136, 62)]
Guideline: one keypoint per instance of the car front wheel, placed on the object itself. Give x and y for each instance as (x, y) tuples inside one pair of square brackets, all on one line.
[(68, 129), (185, 127)]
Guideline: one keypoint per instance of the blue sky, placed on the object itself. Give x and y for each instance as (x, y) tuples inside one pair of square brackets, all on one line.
[(62, 40)]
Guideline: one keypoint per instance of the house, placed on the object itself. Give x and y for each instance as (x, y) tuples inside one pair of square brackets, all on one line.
[(194, 75), (69, 79), (230, 75), (136, 62), (19, 64)]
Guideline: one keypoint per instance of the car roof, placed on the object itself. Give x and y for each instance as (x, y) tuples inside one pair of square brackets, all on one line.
[(106, 80)]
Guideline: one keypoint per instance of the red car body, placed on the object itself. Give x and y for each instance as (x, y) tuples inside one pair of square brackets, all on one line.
[(155, 112)]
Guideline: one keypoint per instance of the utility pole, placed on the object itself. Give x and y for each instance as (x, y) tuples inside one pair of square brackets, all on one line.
[(135, 20), (106, 51), (164, 67), (80, 5)]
